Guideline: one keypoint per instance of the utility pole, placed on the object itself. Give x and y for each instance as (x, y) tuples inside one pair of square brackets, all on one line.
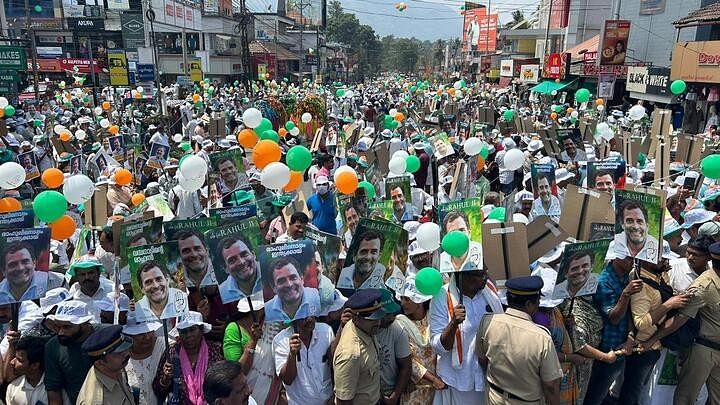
[(546, 44), (245, 19), (150, 15), (33, 50), (92, 69), (301, 50)]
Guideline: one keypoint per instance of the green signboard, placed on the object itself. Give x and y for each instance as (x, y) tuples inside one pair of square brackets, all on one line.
[(8, 83), (12, 58)]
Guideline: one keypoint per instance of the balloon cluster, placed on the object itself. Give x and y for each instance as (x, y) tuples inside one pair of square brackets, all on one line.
[(401, 6), (6, 110)]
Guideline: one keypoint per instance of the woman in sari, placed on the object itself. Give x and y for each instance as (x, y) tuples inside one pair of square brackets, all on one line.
[(415, 324), (181, 377)]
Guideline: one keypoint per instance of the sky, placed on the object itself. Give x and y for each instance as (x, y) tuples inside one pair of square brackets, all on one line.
[(422, 19)]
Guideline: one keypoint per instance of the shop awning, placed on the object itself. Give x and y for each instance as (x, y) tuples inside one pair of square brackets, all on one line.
[(548, 86)]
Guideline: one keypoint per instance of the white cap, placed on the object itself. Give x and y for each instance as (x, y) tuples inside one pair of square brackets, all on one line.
[(133, 327), (410, 290), (52, 298), (321, 180), (193, 318), (73, 311), (411, 228)]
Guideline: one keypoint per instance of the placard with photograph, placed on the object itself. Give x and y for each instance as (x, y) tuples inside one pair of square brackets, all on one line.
[(25, 257), (638, 224), (580, 269)]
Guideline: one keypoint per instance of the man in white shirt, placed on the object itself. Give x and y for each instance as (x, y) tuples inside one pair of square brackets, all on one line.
[(453, 329), (90, 286), (28, 363), (302, 361), (686, 269), (296, 228)]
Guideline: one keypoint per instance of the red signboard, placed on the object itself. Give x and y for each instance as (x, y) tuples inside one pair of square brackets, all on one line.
[(479, 30), (556, 66), (82, 64), (560, 14), (707, 59), (614, 43), (592, 69), (46, 65)]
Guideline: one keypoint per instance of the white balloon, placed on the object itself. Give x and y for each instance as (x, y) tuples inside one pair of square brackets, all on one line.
[(393, 112), (252, 117), (12, 175), (4, 102), (604, 131), (295, 131), (190, 185), (306, 117), (80, 134), (177, 138), (574, 114), (458, 94), (58, 129), (472, 146), (428, 236), (104, 123), (397, 165), (98, 110), (457, 85), (349, 94), (275, 176), (513, 159), (637, 112), (78, 189), (554, 93), (401, 153), (600, 107), (342, 169), (193, 167), (140, 89)]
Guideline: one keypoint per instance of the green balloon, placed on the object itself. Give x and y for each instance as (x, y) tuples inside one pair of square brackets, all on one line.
[(428, 281), (497, 213), (369, 189), (455, 243), (271, 135), (508, 115), (394, 124), (582, 96), (38, 123), (38, 9), (185, 146), (298, 158), (49, 206), (236, 82), (463, 83), (289, 125), (340, 92), (198, 104), (413, 89), (484, 151), (558, 109), (710, 167), (678, 87), (207, 81), (413, 164), (9, 111), (265, 125)]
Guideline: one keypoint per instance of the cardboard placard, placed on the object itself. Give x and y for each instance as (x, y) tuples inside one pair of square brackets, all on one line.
[(217, 128), (96, 214), (550, 144), (689, 148), (519, 124), (62, 146), (458, 179), (506, 128), (662, 163), (382, 156), (587, 129), (316, 140), (299, 205), (543, 234), (510, 256), (488, 115), (631, 148), (583, 207)]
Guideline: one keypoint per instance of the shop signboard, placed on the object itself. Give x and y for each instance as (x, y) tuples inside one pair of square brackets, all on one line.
[(12, 58)]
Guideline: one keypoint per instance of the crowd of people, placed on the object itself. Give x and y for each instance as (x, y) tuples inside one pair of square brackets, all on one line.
[(381, 242)]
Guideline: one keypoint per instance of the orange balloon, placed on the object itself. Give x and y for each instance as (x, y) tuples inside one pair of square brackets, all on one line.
[(63, 228), (282, 132), (106, 105), (600, 101), (53, 178), (137, 199), (480, 163), (439, 92), (64, 136), (2, 112), (553, 116), (265, 152), (296, 179), (451, 91), (570, 110), (9, 204), (247, 138), (114, 129), (123, 177), (196, 97), (346, 182), (400, 117)]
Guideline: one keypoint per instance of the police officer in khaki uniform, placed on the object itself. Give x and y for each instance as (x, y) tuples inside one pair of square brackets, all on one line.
[(355, 364), (517, 355), (703, 363), (106, 382)]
